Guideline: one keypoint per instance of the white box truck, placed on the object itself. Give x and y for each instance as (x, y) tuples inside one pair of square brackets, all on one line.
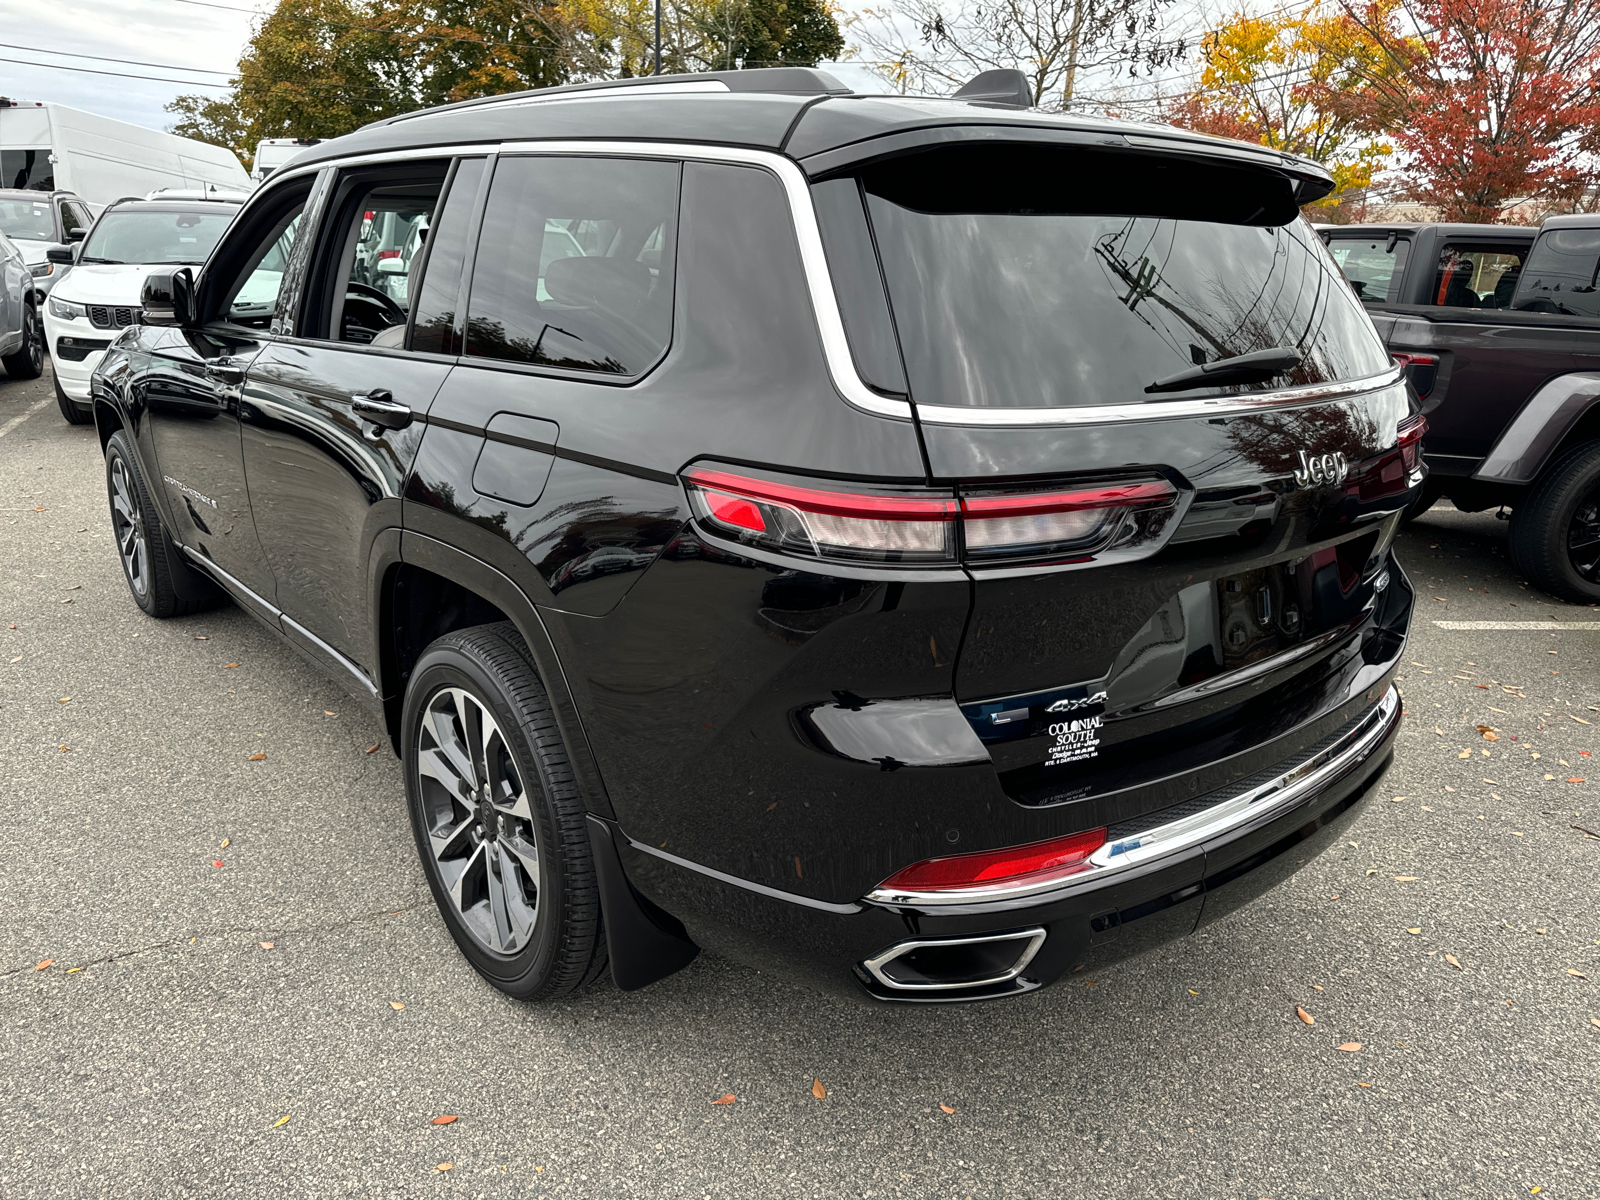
[(50, 147), (272, 153)]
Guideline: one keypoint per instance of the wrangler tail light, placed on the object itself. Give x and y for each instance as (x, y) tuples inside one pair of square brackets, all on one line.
[(925, 526), (1411, 430), (1421, 369), (1021, 865)]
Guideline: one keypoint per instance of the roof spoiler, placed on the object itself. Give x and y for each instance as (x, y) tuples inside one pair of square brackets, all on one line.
[(1008, 87)]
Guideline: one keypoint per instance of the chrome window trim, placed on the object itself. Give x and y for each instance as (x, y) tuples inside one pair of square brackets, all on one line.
[(874, 965), (1264, 802), (825, 304)]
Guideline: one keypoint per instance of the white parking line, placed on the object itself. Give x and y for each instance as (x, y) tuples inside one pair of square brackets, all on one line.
[(1518, 624), (21, 417)]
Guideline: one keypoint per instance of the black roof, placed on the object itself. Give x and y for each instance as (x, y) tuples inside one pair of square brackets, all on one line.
[(804, 113)]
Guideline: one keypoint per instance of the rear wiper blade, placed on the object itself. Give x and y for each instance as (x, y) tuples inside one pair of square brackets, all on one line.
[(1259, 366)]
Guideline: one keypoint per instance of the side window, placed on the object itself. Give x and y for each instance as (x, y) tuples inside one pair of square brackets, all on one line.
[(254, 295), (575, 262), (1374, 266), (72, 217), (433, 325), (376, 242), (1477, 276), (1560, 275)]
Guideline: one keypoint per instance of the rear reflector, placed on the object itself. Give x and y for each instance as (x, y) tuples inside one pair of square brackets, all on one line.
[(925, 526), (1036, 863)]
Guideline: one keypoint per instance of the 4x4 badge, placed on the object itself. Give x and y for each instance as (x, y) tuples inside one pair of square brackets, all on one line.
[(1321, 468)]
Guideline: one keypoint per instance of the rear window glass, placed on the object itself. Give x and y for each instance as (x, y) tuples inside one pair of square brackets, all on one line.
[(1477, 276), (1035, 277), (1560, 275), (1374, 267)]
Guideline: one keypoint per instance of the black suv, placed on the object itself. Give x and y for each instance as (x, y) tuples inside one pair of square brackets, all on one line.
[(923, 546)]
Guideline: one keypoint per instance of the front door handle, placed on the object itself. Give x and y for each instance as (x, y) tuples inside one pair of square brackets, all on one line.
[(226, 371), (381, 408)]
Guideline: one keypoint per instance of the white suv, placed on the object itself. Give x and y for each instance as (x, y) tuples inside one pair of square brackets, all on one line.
[(91, 307)]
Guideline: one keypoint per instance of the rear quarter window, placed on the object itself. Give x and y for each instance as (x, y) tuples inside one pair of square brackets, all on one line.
[(1060, 277), (1560, 275), (1375, 267)]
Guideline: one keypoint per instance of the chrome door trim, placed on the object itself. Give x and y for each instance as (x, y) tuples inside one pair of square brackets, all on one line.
[(1260, 803), (825, 304)]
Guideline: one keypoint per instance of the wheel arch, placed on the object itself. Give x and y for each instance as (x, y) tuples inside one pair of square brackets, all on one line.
[(430, 589), (1562, 413)]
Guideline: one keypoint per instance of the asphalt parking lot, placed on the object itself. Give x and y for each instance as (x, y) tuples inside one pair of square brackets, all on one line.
[(248, 991)]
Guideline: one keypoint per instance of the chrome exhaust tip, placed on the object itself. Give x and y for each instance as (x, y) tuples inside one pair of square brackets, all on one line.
[(954, 964)]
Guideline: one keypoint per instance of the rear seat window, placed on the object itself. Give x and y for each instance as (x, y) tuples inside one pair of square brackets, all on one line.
[(1477, 276), (1560, 275), (1066, 277), (574, 264)]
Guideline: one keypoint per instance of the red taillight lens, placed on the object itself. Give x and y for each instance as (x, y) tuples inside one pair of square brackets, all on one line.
[(1421, 369), (1036, 863), (1057, 522), (1411, 430), (388, 254), (913, 527)]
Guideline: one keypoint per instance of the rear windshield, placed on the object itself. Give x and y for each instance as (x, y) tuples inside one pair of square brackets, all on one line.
[(154, 237), (1560, 275), (1060, 277)]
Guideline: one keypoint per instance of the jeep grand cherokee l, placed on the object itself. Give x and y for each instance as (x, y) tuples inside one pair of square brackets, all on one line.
[(919, 546)]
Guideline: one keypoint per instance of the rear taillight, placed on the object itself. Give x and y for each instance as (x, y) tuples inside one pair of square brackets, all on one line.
[(1421, 369), (1019, 865), (921, 526), (1411, 430), (388, 254)]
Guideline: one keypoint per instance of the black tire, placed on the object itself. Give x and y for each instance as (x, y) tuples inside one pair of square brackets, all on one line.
[(145, 550), (28, 361), (474, 853), (75, 413), (1555, 531)]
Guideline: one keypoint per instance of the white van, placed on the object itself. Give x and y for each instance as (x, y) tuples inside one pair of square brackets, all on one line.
[(272, 153), (50, 147)]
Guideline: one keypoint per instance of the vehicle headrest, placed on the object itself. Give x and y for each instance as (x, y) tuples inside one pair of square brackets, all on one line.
[(618, 284)]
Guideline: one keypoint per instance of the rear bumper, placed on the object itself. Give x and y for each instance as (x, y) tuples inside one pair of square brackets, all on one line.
[(1207, 869)]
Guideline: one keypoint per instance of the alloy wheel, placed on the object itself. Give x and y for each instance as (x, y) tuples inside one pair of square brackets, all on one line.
[(1583, 538), (479, 821), (128, 527), (32, 337)]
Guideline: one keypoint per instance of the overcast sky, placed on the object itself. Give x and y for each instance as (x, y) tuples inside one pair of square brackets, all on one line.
[(187, 44)]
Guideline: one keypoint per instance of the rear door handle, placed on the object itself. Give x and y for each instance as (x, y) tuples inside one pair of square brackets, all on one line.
[(381, 408), (226, 371)]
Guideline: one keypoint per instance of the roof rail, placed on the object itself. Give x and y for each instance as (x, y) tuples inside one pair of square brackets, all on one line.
[(783, 81)]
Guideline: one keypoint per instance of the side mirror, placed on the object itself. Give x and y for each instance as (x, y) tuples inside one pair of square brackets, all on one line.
[(169, 299), (393, 266), (61, 255), (77, 235)]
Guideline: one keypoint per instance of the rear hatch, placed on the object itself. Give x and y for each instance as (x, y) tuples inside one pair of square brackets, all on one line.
[(1215, 596)]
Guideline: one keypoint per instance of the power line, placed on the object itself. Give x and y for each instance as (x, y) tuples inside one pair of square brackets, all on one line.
[(127, 62), (22, 62)]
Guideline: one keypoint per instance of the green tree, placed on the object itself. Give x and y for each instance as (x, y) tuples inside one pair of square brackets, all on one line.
[(216, 121)]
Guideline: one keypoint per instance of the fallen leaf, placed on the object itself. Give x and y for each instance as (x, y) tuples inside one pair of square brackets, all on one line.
[(326, 713), (1405, 878), (1350, 1047), (63, 749), (1318, 987), (443, 1167), (945, 1108), (1192, 992), (216, 862), (46, 963), (1453, 961), (265, 945), (726, 1098), (200, 637), (1576, 779), (1465, 754), (229, 666), (372, 749), (226, 842), (397, 1005), (70, 970), (1360, 1084), (1580, 720), (447, 1119), (1570, 971), (64, 700), (1491, 737), (817, 1090), (1595, 1021), (280, 1121), (1305, 1016), (258, 756), (1416, 930), (1372, 870)]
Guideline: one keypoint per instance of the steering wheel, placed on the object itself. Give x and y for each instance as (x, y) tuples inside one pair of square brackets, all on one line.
[(392, 312)]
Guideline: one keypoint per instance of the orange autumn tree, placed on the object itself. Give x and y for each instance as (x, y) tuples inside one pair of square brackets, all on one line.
[(1289, 81), (1491, 101)]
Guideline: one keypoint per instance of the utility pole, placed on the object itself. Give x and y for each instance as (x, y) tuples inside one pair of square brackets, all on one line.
[(658, 37)]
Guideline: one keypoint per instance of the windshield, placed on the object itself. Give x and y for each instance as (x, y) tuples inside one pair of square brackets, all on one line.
[(154, 237), (27, 219), (1034, 277)]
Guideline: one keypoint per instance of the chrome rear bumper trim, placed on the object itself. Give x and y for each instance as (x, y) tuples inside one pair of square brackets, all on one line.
[(1260, 803), (1033, 937)]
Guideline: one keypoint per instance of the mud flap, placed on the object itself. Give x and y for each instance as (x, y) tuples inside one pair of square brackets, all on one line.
[(645, 943)]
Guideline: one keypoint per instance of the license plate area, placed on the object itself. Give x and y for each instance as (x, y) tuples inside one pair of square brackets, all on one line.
[(1259, 613)]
